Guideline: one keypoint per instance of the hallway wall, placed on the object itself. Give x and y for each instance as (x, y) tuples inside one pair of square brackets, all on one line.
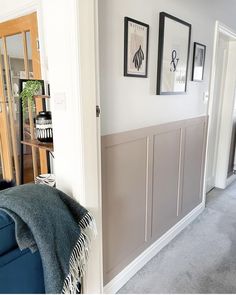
[(130, 103)]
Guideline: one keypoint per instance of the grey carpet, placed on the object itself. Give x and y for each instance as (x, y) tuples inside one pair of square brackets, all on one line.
[(202, 259)]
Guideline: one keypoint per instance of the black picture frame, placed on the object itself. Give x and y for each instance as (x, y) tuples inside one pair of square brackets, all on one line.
[(136, 58), (199, 57), (174, 53)]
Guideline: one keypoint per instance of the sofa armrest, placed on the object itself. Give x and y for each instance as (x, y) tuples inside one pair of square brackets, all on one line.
[(7, 233)]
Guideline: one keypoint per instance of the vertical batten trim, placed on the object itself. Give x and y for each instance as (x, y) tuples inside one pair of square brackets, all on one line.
[(147, 189), (180, 170), (183, 144), (151, 177), (202, 180)]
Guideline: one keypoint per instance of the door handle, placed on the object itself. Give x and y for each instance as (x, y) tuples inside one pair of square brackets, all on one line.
[(98, 111)]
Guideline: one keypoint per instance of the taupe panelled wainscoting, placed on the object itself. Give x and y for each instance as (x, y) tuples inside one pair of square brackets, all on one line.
[(152, 178)]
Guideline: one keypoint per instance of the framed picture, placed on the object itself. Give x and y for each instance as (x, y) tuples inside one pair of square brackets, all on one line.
[(199, 53), (136, 48), (173, 55)]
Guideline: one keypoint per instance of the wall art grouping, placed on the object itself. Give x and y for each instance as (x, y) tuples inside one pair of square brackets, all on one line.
[(136, 48), (173, 53)]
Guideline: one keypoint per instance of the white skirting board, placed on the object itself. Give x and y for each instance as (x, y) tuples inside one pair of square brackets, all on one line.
[(129, 271), (210, 184)]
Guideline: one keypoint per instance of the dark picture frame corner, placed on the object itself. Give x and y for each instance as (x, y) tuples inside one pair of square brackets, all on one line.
[(136, 48), (198, 65), (173, 55)]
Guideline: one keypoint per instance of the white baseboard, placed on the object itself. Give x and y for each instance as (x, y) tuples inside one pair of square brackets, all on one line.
[(129, 271), (210, 184)]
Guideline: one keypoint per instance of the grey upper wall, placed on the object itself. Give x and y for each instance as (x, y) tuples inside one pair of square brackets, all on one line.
[(130, 103)]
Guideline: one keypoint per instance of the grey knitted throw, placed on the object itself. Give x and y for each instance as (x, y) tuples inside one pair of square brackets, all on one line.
[(50, 221)]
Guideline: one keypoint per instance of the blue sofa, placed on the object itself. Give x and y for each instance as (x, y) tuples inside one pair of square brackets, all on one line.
[(20, 271)]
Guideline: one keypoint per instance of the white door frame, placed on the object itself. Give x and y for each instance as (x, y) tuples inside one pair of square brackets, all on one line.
[(90, 94), (229, 33)]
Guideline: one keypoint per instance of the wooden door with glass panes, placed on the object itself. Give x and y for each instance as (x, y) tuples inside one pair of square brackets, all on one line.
[(19, 59)]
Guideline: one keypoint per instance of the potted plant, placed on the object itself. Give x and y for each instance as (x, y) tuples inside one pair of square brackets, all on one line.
[(43, 120), (31, 88)]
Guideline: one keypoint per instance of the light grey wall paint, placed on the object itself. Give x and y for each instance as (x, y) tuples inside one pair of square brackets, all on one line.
[(130, 103)]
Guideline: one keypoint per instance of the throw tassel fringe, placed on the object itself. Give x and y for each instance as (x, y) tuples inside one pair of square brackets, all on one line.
[(79, 256)]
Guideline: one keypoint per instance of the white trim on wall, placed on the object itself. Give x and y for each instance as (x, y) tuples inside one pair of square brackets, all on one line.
[(89, 93), (129, 271), (227, 31), (215, 179), (210, 181)]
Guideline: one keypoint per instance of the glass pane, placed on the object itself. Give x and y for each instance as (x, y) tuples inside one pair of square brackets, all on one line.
[(3, 69), (5, 134), (31, 74), (15, 51), (15, 59)]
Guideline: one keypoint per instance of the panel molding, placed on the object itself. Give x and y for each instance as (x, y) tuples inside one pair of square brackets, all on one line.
[(181, 172), (162, 167), (118, 159), (166, 166), (129, 271), (194, 136)]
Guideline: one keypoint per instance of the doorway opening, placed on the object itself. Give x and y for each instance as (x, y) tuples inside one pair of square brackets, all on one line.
[(19, 59), (222, 124)]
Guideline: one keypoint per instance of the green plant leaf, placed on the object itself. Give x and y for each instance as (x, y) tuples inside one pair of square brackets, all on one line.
[(31, 88)]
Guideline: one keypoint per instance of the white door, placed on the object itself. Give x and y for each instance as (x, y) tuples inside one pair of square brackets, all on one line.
[(226, 120), (215, 116), (221, 107)]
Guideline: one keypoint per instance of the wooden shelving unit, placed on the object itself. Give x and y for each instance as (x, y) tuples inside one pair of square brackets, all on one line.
[(37, 144), (44, 148), (41, 96)]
